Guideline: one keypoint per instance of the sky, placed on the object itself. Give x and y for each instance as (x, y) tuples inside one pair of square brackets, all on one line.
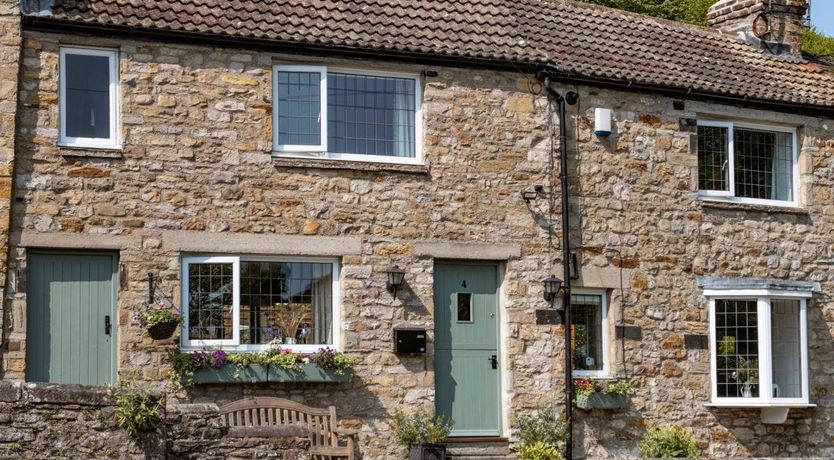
[(822, 16)]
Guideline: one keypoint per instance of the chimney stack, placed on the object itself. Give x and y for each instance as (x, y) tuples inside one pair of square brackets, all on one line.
[(772, 25)]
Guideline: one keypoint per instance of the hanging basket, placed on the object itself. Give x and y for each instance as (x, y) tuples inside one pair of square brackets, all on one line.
[(162, 331)]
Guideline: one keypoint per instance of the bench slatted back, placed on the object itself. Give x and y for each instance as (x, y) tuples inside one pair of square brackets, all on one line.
[(268, 411)]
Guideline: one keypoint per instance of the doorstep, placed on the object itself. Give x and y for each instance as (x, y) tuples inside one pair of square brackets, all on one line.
[(468, 448)]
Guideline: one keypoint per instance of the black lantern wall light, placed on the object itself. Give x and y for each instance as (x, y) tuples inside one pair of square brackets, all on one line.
[(552, 289), (395, 279)]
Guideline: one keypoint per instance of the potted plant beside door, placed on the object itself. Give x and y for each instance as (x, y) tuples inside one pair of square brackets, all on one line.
[(422, 433)]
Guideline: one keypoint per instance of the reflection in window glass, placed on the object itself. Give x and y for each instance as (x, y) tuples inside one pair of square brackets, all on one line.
[(763, 164), (737, 348), (87, 104), (713, 152), (210, 301), (586, 331), (787, 359), (299, 108), (370, 115), (290, 302)]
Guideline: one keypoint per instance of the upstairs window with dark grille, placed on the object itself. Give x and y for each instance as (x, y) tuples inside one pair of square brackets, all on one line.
[(346, 114), (746, 163)]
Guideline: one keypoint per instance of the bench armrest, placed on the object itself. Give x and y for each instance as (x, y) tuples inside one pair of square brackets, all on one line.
[(346, 431)]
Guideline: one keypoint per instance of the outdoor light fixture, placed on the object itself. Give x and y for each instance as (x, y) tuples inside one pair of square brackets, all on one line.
[(530, 195), (552, 286), (395, 279)]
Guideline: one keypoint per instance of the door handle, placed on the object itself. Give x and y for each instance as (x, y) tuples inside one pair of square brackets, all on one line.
[(108, 328), (494, 361)]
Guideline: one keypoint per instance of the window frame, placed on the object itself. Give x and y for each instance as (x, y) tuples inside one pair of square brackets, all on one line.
[(730, 195), (321, 151), (605, 372), (234, 345), (112, 142), (763, 298)]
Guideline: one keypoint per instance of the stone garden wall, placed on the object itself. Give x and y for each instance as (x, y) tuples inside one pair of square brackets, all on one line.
[(196, 170), (73, 422)]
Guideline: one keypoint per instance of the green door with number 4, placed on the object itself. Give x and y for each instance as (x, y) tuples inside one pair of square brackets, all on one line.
[(467, 368)]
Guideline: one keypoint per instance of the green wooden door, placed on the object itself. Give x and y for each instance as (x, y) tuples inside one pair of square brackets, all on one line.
[(467, 378), (71, 299)]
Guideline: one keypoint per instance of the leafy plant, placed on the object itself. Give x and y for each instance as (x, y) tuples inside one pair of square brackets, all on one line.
[(668, 441), (543, 426), (619, 387), (588, 386), (327, 358), (136, 410), (814, 42), (421, 427), (160, 310), (539, 451)]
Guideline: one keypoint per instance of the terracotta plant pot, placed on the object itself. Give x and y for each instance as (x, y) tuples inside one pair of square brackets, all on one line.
[(162, 331), (427, 452)]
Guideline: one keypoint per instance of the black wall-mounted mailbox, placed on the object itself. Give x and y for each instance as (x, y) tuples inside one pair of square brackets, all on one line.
[(408, 341)]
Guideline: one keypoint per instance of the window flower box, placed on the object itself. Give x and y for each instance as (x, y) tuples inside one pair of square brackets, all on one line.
[(596, 394), (274, 365), (601, 401), (257, 373)]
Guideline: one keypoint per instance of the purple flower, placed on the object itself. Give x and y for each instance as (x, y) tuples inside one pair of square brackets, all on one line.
[(218, 359)]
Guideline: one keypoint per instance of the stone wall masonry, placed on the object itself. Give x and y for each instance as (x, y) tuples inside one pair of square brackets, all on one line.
[(72, 421), (196, 125), (10, 54)]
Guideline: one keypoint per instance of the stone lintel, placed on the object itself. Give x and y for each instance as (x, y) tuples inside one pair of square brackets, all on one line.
[(605, 278), (253, 243), (470, 251), (192, 408), (66, 240)]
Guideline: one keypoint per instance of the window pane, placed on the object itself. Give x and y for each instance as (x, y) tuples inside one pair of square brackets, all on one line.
[(737, 348), (464, 306), (299, 108), (370, 115), (763, 164), (290, 302), (586, 318), (87, 102), (787, 362), (713, 147), (210, 301)]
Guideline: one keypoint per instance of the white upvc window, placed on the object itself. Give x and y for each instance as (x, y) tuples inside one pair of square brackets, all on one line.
[(747, 163), (589, 333), (758, 347), (249, 303), (89, 97), (347, 114)]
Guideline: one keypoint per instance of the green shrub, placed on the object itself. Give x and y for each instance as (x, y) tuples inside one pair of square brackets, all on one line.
[(420, 428), (136, 410), (539, 451), (544, 426), (668, 441)]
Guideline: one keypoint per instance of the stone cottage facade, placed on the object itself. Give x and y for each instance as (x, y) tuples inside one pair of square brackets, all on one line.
[(224, 148)]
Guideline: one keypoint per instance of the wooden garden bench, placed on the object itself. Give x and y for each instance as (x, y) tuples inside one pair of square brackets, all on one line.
[(319, 424)]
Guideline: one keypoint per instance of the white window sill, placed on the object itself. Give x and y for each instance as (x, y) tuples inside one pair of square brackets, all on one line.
[(89, 146), (749, 201), (344, 157), (300, 349), (759, 405), (596, 375), (305, 162)]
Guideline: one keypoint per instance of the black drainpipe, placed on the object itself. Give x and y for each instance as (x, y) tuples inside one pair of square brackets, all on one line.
[(570, 98)]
